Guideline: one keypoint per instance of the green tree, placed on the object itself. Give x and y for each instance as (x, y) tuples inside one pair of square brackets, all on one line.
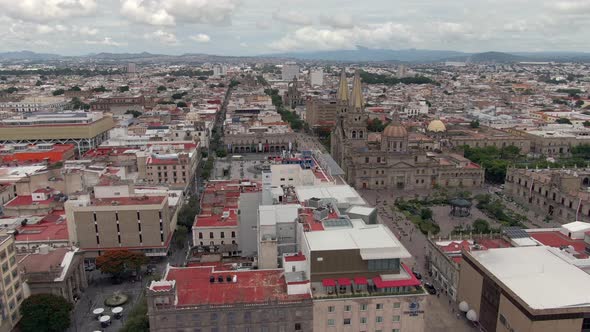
[(579, 103), (118, 262), (123, 88), (161, 88), (135, 113), (221, 153), (45, 313), (563, 121), (38, 83), (474, 124), (58, 92), (180, 236), (375, 125), (186, 216), (481, 226), (181, 104), (100, 89), (586, 123), (137, 320), (426, 214), (75, 88)]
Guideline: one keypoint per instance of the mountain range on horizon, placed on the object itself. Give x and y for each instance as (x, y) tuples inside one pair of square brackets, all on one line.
[(361, 54)]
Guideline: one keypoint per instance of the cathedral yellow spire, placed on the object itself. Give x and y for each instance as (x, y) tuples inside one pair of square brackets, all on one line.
[(356, 97), (343, 87)]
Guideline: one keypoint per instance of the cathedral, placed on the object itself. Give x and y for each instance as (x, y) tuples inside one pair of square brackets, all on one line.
[(386, 161)]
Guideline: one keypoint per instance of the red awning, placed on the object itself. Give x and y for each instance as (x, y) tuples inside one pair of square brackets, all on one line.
[(360, 281), (343, 282), (328, 282)]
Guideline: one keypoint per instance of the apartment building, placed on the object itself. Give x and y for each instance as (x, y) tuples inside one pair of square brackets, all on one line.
[(117, 217), (12, 293)]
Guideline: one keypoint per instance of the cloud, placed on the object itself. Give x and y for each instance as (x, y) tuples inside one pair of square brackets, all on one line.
[(384, 35), (338, 21), (106, 41), (292, 17), (87, 31), (572, 6), (201, 38), (169, 12), (47, 10), (163, 37), (263, 25)]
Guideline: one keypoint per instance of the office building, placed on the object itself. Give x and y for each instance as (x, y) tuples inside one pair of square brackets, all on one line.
[(289, 71), (316, 77), (12, 294)]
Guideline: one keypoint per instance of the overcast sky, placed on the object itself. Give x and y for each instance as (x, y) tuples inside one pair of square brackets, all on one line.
[(248, 27)]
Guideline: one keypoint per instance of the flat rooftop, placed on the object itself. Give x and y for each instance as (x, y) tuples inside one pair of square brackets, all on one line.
[(538, 276), (252, 286), (344, 194), (52, 227)]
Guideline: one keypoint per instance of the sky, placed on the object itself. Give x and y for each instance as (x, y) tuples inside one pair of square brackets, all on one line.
[(252, 27)]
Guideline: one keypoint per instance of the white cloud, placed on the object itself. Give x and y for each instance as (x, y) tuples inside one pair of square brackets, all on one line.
[(384, 35), (87, 31), (169, 12), (47, 10), (572, 6), (163, 37), (263, 25), (339, 21), (201, 38), (292, 17), (106, 41)]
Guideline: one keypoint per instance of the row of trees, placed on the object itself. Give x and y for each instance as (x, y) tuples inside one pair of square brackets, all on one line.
[(370, 78), (288, 116), (494, 160)]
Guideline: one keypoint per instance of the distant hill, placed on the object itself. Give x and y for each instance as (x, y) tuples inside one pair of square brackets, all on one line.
[(362, 54), (27, 55), (490, 57)]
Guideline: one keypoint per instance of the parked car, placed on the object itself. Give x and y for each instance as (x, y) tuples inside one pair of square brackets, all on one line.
[(430, 288), (417, 274)]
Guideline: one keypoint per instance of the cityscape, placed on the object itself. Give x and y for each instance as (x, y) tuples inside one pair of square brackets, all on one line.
[(314, 173)]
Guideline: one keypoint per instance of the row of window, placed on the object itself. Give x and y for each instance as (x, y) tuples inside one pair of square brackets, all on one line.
[(365, 306), (363, 320)]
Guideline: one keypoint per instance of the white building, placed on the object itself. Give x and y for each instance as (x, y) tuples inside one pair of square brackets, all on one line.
[(35, 104), (316, 77), (290, 70)]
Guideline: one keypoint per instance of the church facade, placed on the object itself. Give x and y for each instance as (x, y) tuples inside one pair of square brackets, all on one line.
[(387, 161)]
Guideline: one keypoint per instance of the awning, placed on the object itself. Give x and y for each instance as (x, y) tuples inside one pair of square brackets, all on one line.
[(343, 282), (328, 282), (360, 281)]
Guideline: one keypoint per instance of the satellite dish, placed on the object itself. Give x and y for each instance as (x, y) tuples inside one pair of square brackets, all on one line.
[(463, 306), (471, 315)]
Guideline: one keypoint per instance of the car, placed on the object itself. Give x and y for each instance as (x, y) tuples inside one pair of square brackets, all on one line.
[(430, 288), (418, 275)]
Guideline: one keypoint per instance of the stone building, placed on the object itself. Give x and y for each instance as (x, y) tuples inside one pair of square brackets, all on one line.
[(59, 271), (292, 97), (388, 162), (561, 194), (263, 141)]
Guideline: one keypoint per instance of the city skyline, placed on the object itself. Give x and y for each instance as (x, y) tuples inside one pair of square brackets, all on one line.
[(228, 27)]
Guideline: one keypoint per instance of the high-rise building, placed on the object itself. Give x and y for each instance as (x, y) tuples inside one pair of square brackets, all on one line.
[(131, 68), (12, 293), (316, 77), (290, 70)]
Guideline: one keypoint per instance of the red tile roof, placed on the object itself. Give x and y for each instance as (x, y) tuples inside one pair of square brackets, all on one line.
[(295, 258), (26, 201), (557, 239), (43, 262), (139, 200), (51, 228), (252, 286)]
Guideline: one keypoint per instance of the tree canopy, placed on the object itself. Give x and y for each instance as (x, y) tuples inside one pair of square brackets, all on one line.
[(45, 313), (563, 121), (117, 262), (494, 160)]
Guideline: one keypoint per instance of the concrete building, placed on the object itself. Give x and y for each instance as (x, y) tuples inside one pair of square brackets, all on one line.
[(316, 77), (554, 139), (172, 164), (116, 217), (220, 299), (320, 113), (289, 71), (388, 162), (560, 194), (86, 130), (131, 68), (35, 104), (118, 105), (37, 153), (12, 294), (58, 271), (524, 289)]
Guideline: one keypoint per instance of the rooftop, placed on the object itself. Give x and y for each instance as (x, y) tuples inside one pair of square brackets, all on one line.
[(538, 276), (139, 200), (52, 227), (558, 240), (43, 262), (253, 286)]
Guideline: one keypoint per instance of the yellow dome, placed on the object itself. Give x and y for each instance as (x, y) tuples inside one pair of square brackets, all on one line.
[(395, 130), (436, 126)]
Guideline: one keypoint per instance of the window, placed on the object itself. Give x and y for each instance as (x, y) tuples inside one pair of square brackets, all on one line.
[(297, 326), (233, 234), (347, 308), (379, 319), (331, 322), (397, 305), (364, 307), (210, 235), (363, 320), (395, 330), (396, 318), (331, 308), (502, 320), (200, 235), (346, 321), (379, 306), (223, 235)]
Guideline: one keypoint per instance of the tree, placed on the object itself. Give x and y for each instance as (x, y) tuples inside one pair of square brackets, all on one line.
[(563, 121), (45, 313), (38, 83), (134, 113), (118, 262), (186, 216), (426, 214), (161, 88), (221, 153), (579, 103), (75, 88), (376, 125), (58, 92), (481, 226), (474, 124), (100, 89), (181, 104), (137, 320), (123, 88), (180, 236), (586, 123)]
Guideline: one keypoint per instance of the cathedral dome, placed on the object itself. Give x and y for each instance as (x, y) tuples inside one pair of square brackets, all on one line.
[(436, 126), (395, 130)]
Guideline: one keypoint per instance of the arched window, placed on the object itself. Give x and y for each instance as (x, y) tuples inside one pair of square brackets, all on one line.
[(361, 134), (354, 134)]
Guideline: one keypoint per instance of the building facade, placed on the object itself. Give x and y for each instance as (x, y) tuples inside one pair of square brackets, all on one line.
[(12, 287), (389, 163)]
